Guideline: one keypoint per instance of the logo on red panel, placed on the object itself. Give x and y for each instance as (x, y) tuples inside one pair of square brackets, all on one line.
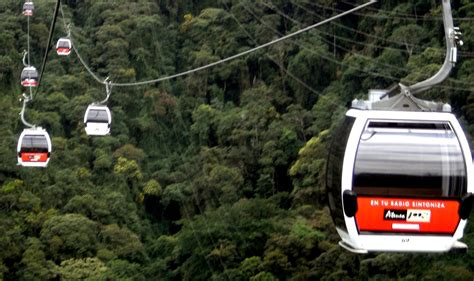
[(395, 215), (409, 215), (418, 215)]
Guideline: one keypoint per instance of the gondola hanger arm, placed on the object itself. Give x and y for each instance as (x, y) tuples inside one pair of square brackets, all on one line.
[(25, 53), (452, 40), (25, 99), (108, 89)]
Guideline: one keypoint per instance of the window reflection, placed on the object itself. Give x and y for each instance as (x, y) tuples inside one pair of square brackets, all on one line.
[(409, 159), (99, 116)]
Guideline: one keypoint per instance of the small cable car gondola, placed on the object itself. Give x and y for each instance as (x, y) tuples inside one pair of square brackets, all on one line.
[(34, 148), (97, 120), (63, 47), (29, 77), (28, 9)]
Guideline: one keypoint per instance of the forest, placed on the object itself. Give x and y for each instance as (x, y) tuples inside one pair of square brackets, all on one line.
[(216, 175)]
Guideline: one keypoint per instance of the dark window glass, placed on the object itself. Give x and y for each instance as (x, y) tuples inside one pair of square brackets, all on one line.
[(409, 159), (63, 44), (28, 6), (34, 143), (33, 74), (29, 73), (334, 170), (98, 116)]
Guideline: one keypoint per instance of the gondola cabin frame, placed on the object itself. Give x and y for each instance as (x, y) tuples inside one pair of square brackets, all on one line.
[(387, 227), (63, 47), (97, 120), (29, 77), (34, 148), (28, 8)]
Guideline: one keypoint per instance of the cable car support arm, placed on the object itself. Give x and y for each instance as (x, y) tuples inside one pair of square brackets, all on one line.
[(452, 40), (25, 53), (26, 99), (108, 89)]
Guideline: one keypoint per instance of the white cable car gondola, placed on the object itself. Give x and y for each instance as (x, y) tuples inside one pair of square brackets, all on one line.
[(34, 148), (28, 9), (63, 47), (29, 77), (400, 181), (97, 120), (399, 171)]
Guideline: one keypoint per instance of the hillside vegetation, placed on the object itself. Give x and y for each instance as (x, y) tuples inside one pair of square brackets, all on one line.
[(218, 175)]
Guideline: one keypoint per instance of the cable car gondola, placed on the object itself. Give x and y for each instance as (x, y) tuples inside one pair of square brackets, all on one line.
[(34, 148), (29, 77), (97, 120), (400, 181), (28, 9), (63, 46)]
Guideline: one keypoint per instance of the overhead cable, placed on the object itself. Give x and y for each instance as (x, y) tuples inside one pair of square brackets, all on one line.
[(225, 59), (282, 67), (272, 7), (50, 39), (28, 41), (342, 63), (405, 16)]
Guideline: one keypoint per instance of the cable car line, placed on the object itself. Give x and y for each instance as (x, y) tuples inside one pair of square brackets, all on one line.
[(403, 15), (355, 54), (333, 60), (101, 81), (28, 40), (348, 28), (50, 38), (272, 7), (282, 67), (131, 84), (279, 12)]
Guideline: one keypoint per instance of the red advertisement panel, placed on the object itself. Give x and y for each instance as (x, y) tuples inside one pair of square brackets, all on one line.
[(405, 215), (63, 51), (34, 157), (29, 83)]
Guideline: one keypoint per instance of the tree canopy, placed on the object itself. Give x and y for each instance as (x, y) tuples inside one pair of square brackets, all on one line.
[(218, 175)]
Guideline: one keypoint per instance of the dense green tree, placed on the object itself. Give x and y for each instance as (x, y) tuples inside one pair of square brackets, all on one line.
[(217, 175), (70, 235), (85, 268), (34, 263)]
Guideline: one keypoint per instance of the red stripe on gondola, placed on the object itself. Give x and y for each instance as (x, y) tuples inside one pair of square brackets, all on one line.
[(26, 83), (34, 156), (65, 51)]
